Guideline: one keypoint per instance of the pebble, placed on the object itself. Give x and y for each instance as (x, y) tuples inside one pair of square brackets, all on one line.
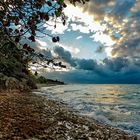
[(34, 117)]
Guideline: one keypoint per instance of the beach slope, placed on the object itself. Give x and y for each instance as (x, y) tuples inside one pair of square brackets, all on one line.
[(34, 117)]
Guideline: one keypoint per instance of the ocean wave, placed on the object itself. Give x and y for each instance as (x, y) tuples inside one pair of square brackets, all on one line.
[(115, 105)]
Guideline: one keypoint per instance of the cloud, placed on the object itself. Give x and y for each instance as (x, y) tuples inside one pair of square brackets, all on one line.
[(122, 7), (106, 21), (82, 29), (82, 76), (75, 62), (72, 50), (40, 47), (42, 43), (79, 37), (47, 53), (64, 55), (78, 20), (120, 25), (118, 64), (100, 49), (103, 39), (136, 7), (127, 48), (59, 29), (114, 24), (99, 8), (121, 18), (116, 70)]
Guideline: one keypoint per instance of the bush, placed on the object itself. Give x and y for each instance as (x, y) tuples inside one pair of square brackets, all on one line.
[(42, 80), (31, 83)]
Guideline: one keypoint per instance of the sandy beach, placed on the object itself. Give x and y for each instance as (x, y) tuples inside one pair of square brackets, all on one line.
[(34, 117)]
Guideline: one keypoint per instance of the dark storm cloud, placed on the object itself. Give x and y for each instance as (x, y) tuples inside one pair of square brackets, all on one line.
[(86, 64), (82, 76), (119, 64), (74, 62), (116, 70), (122, 66), (64, 55), (83, 64)]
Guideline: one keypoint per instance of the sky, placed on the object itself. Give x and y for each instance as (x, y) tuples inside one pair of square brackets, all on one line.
[(100, 43)]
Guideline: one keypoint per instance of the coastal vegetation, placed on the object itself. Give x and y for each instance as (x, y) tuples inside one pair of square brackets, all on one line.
[(24, 20)]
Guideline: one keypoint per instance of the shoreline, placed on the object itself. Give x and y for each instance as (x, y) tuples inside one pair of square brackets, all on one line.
[(87, 118), (32, 116)]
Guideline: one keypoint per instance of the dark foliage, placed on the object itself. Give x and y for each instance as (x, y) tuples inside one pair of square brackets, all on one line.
[(25, 19)]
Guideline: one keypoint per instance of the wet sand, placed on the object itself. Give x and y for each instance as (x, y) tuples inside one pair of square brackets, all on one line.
[(35, 117)]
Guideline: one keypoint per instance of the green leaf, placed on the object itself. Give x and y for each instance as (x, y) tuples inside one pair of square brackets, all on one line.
[(57, 13), (60, 1)]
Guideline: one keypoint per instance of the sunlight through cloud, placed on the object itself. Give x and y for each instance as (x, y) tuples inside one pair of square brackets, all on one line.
[(103, 38)]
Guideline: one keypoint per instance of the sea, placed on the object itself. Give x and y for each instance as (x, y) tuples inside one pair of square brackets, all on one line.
[(115, 105)]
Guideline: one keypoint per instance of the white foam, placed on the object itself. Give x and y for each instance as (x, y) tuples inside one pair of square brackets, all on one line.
[(118, 110)]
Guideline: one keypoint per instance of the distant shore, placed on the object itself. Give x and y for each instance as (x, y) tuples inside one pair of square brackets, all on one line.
[(30, 116)]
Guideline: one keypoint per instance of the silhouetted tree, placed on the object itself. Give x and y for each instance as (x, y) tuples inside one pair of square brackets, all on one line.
[(25, 19)]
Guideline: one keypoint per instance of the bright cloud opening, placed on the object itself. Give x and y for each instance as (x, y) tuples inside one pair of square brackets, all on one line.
[(108, 51), (42, 43), (103, 38), (71, 49)]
